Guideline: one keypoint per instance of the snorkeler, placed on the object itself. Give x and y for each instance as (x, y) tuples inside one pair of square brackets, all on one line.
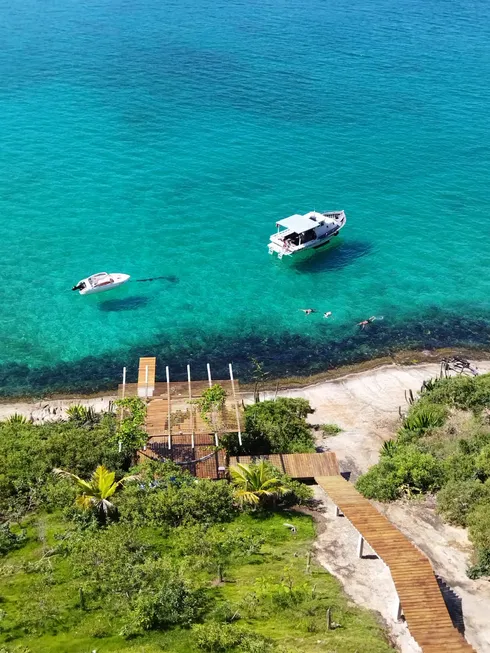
[(308, 311), (327, 314), (364, 323)]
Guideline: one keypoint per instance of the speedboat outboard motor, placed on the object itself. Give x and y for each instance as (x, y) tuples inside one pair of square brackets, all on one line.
[(79, 286)]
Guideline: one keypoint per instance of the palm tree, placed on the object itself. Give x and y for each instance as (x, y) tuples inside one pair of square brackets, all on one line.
[(254, 483), (96, 492)]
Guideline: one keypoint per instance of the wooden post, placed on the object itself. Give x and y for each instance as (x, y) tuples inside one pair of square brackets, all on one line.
[(82, 598), (210, 381), (337, 511), (237, 413), (398, 609), (190, 405), (169, 412), (329, 619), (360, 546), (308, 562), (124, 383), (121, 408)]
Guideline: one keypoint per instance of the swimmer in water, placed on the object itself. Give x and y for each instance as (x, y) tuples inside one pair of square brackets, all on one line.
[(364, 323), (327, 314), (308, 311)]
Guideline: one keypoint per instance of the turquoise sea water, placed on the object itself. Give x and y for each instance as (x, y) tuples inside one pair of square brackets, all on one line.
[(165, 138)]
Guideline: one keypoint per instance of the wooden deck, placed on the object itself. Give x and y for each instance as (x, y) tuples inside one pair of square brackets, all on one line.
[(418, 591), (185, 419), (182, 452), (297, 465), (146, 376)]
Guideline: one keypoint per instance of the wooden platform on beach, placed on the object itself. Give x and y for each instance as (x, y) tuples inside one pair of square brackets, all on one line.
[(419, 595), (297, 465)]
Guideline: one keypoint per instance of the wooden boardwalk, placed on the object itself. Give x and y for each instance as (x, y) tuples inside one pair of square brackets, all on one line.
[(297, 465), (418, 591)]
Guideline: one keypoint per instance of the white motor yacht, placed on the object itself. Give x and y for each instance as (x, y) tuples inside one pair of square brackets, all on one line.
[(302, 232), (101, 282)]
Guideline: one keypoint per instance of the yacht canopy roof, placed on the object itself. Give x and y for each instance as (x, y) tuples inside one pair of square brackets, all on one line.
[(301, 223)]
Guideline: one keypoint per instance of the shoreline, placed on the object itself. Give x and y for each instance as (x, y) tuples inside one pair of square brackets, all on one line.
[(402, 358), (50, 407)]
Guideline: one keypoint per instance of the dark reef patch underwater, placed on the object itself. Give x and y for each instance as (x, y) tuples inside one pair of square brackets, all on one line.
[(286, 354)]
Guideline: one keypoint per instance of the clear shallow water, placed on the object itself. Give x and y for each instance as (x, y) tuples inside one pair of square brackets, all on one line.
[(165, 139)]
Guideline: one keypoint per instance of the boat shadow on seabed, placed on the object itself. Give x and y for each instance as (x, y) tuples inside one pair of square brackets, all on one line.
[(338, 255)]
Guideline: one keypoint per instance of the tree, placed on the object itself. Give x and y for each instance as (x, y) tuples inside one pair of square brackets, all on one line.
[(275, 426), (259, 376), (211, 405), (256, 483), (131, 435), (96, 492), (216, 548)]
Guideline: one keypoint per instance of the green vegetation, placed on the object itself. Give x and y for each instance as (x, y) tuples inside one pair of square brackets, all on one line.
[(257, 484), (94, 494), (275, 426), (443, 446), (212, 400), (330, 429), (150, 559), (130, 434)]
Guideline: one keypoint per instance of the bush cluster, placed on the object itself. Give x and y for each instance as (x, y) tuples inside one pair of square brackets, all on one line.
[(274, 426), (168, 496), (443, 446), (28, 454)]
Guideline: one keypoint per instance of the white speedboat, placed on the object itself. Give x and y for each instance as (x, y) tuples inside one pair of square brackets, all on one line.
[(302, 232), (101, 282)]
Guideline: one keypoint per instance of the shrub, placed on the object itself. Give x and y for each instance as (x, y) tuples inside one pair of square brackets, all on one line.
[(482, 565), (9, 541), (408, 471), (478, 521), (275, 426), (467, 393), (186, 500), (216, 547), (81, 414), (130, 432), (457, 498), (482, 462), (16, 419), (217, 638), (388, 449), (459, 467), (423, 418), (220, 638), (169, 600), (28, 453), (330, 429)]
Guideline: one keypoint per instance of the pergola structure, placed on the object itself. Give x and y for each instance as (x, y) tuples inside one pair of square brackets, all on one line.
[(176, 429)]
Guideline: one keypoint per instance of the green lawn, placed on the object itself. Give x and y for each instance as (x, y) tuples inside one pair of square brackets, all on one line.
[(271, 593)]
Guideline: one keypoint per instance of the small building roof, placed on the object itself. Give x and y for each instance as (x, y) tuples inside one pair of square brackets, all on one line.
[(301, 223)]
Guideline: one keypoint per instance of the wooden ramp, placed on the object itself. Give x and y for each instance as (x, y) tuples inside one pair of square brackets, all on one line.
[(418, 591), (297, 465), (146, 376)]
